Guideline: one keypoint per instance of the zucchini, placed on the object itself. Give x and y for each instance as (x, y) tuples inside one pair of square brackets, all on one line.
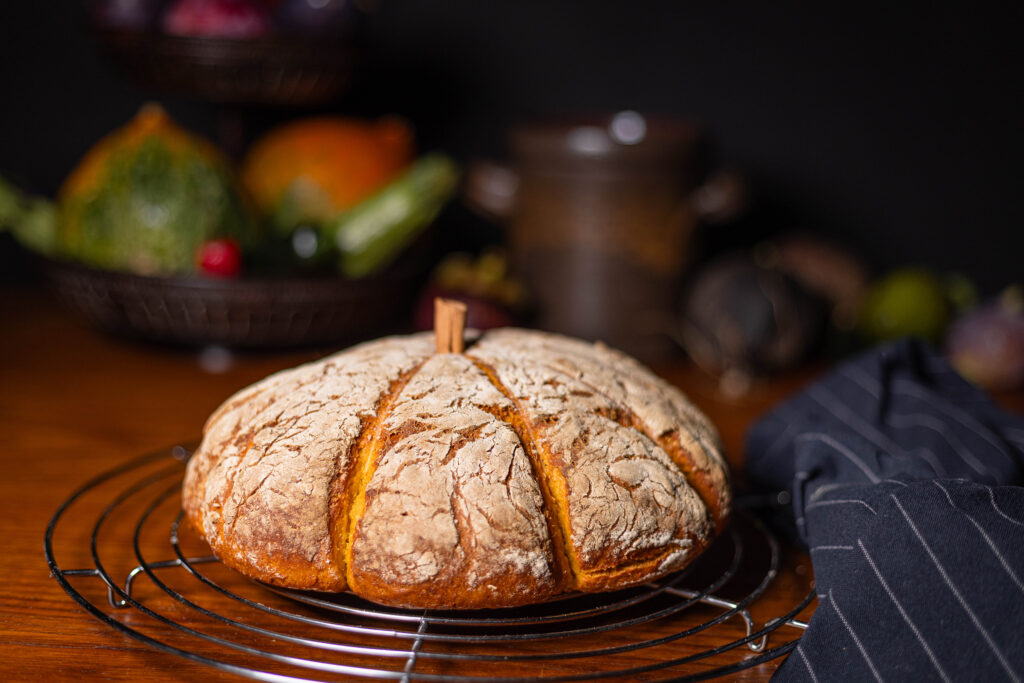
[(373, 233)]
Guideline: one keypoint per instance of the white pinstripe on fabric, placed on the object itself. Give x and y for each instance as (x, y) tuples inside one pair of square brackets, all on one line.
[(844, 501), (863, 379), (825, 488), (832, 547), (903, 613), (807, 664), (842, 450), (965, 420), (929, 422), (864, 428), (992, 498), (856, 640), (986, 537), (956, 593), (858, 376)]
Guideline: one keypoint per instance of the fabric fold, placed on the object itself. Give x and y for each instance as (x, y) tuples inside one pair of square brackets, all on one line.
[(905, 488)]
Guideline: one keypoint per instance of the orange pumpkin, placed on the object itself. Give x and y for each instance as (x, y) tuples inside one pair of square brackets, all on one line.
[(316, 168)]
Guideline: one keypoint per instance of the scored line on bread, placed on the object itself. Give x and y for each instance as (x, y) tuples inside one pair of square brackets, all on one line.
[(522, 467)]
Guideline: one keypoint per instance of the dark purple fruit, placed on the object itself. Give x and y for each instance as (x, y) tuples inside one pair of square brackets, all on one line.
[(493, 295), (986, 345)]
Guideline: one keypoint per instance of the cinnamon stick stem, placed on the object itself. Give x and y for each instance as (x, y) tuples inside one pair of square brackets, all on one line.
[(449, 325)]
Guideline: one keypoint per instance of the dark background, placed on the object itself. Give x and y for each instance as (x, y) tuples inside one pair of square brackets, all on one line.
[(895, 129)]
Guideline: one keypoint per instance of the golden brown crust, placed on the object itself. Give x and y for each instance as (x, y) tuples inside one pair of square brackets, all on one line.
[(624, 507), (449, 514), (260, 485), (646, 401), (532, 465), (557, 530)]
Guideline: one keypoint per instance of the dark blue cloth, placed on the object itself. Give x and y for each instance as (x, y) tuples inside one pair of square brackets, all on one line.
[(905, 486)]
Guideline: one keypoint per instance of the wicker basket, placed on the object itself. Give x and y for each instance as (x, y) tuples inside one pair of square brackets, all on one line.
[(270, 312), (274, 70)]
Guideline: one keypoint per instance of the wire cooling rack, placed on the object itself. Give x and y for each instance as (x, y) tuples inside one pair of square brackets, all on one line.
[(119, 548)]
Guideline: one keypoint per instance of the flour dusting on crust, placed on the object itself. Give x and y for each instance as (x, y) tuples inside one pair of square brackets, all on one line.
[(530, 465)]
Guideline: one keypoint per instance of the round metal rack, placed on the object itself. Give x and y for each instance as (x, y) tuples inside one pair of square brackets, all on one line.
[(169, 593)]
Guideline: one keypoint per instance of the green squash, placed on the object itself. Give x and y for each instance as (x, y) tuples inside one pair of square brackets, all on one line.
[(146, 197)]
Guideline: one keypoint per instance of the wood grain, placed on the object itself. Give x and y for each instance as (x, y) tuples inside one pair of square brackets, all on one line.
[(75, 403)]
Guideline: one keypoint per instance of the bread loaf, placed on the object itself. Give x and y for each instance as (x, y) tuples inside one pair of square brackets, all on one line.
[(527, 466)]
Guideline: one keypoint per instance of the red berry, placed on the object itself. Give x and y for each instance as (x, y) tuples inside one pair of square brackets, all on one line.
[(219, 258)]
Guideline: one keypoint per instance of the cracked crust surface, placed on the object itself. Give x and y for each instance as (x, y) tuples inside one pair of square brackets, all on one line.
[(628, 511), (451, 508), (530, 465), (652, 405), (259, 486)]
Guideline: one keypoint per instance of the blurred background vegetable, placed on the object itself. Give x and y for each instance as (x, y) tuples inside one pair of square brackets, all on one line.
[(338, 195), (295, 90), (371, 234), (310, 170), (32, 220), (146, 196)]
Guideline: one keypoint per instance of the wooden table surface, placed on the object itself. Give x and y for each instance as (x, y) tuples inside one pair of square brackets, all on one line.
[(75, 403)]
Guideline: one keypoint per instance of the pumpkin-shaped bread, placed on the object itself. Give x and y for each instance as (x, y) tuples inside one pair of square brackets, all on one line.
[(527, 466)]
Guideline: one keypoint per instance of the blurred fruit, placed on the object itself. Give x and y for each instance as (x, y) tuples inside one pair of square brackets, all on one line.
[(219, 258), (986, 345), (217, 19), (486, 276), (146, 196), (823, 268), (905, 302), (494, 297), (374, 232), (311, 170), (741, 320)]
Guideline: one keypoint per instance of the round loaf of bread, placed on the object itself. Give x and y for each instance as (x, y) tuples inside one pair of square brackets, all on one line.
[(528, 466)]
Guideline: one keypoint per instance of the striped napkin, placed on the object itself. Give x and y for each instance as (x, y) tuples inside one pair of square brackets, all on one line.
[(905, 484)]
